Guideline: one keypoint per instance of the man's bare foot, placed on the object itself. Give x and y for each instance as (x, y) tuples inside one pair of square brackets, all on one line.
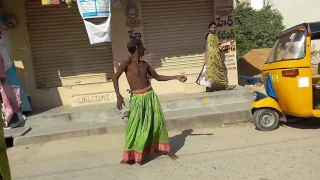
[(172, 156), (123, 162)]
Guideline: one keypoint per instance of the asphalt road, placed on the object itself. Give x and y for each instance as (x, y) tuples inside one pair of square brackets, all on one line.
[(236, 152)]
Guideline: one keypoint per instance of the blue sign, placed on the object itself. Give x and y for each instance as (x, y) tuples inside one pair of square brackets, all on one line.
[(94, 8)]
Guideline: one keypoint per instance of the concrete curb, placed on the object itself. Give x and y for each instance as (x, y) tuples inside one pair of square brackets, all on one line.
[(168, 104), (176, 123)]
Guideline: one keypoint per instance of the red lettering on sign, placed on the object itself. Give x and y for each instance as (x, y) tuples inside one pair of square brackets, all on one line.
[(224, 12), (133, 23)]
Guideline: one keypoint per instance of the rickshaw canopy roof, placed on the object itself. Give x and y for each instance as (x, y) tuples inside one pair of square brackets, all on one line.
[(312, 28)]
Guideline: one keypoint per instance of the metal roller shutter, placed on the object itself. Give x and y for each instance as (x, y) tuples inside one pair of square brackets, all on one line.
[(174, 33), (62, 54)]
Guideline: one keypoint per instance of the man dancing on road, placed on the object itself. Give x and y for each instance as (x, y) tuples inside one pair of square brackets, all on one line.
[(146, 131)]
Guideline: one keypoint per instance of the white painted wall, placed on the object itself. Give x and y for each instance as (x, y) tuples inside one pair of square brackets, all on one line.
[(257, 4), (299, 11)]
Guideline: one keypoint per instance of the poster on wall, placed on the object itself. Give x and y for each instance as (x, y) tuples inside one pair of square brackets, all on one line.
[(229, 58), (49, 2), (224, 17), (94, 8), (115, 4), (97, 33)]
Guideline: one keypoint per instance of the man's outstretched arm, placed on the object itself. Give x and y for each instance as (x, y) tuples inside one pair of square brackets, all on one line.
[(158, 77)]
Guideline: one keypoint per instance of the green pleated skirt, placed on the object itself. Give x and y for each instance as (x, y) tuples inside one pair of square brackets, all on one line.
[(146, 132)]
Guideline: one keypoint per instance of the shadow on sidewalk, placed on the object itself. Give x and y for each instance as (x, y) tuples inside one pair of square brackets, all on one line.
[(177, 142)]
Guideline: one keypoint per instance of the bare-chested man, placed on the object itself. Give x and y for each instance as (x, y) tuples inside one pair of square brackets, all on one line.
[(146, 130)]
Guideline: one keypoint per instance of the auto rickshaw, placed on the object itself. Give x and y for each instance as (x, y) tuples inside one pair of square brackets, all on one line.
[(4, 163), (291, 88)]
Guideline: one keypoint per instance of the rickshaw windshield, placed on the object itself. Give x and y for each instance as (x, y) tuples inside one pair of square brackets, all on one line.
[(289, 47)]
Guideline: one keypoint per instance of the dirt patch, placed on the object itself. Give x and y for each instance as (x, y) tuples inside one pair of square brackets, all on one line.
[(314, 69), (251, 64), (315, 60)]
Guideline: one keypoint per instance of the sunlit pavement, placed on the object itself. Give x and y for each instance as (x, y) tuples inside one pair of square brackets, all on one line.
[(234, 152)]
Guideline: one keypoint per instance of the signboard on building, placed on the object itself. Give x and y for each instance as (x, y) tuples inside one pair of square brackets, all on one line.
[(95, 98), (133, 20), (229, 58), (94, 8), (133, 23), (115, 4), (48, 2), (224, 17)]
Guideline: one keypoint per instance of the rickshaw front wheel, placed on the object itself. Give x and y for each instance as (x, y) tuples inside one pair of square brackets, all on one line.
[(266, 119)]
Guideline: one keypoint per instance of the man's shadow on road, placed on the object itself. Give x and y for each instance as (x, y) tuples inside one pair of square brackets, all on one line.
[(176, 142)]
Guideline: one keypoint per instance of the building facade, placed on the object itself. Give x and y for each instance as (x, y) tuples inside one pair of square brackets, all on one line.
[(57, 65)]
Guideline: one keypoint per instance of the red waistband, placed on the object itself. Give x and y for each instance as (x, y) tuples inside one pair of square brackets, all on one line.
[(141, 91)]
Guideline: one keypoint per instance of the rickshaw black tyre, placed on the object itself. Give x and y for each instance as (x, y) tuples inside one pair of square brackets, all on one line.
[(258, 114)]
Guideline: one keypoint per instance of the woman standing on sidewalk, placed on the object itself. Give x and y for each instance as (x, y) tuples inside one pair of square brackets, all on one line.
[(213, 75)]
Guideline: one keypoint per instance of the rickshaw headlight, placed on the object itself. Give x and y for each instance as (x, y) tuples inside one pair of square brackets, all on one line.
[(254, 96)]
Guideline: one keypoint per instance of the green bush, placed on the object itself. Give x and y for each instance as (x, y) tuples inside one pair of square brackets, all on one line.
[(256, 28)]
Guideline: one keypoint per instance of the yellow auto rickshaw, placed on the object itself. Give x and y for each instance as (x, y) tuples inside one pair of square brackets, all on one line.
[(4, 164), (291, 89)]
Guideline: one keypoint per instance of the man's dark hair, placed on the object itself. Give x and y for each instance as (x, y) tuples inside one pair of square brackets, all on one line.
[(133, 44), (211, 24)]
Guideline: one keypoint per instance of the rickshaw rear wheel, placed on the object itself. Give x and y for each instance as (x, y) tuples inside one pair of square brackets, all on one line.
[(266, 119)]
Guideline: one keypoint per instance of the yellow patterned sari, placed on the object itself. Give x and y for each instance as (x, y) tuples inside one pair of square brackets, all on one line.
[(215, 72)]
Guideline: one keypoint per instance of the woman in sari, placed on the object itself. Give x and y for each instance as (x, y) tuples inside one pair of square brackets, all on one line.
[(213, 74)]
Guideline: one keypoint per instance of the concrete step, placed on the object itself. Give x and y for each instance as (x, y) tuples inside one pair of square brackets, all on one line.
[(177, 119), (171, 102), (16, 132), (191, 86)]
